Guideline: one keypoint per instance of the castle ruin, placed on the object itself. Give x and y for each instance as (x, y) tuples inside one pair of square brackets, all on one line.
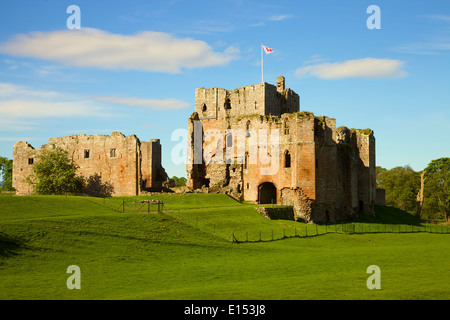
[(255, 144), (126, 165)]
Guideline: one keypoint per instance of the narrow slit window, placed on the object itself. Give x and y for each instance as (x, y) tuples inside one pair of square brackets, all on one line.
[(227, 104), (113, 153), (287, 159), (286, 126)]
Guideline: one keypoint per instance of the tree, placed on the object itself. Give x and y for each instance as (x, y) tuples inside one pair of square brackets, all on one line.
[(402, 185), (6, 173), (437, 188), (55, 173), (179, 182), (379, 176)]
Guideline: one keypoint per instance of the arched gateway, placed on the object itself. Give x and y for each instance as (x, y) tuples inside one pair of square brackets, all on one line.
[(267, 193)]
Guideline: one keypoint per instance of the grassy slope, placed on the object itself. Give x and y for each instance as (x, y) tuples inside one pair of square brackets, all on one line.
[(158, 256)]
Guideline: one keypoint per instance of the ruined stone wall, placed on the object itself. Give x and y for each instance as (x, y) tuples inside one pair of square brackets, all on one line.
[(23, 159), (153, 174), (331, 172), (260, 99), (347, 170), (365, 143), (114, 160), (380, 198), (326, 169), (279, 102), (298, 132), (246, 171), (220, 103)]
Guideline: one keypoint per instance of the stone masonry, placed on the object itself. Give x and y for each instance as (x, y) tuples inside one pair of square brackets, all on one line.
[(325, 173), (126, 164)]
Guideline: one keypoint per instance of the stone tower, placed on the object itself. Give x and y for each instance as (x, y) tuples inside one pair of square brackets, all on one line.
[(255, 144)]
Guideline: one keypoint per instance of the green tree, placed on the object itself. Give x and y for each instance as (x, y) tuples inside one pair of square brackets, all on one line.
[(379, 176), (402, 185), (55, 173), (6, 173), (437, 189), (179, 182)]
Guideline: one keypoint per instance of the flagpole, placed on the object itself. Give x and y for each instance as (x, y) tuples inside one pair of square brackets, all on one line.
[(262, 64)]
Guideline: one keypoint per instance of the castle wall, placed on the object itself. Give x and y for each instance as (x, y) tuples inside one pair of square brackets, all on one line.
[(279, 102), (365, 142), (210, 103), (153, 174), (326, 168), (261, 98), (331, 174), (116, 159), (23, 159)]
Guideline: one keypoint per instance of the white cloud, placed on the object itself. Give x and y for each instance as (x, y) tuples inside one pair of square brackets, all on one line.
[(146, 51), (155, 104), (21, 108), (22, 102), (369, 68), (8, 91), (274, 18), (280, 17), (441, 17), (433, 46)]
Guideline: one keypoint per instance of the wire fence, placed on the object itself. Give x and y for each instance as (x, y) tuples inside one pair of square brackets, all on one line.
[(265, 234), (315, 230), (141, 206)]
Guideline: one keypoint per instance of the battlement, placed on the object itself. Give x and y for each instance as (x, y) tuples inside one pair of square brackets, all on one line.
[(325, 173), (261, 98)]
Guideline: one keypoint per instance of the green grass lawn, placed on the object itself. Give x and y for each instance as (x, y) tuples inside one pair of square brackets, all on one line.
[(184, 254)]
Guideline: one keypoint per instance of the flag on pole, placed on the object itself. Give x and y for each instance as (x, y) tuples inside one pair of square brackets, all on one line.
[(267, 50)]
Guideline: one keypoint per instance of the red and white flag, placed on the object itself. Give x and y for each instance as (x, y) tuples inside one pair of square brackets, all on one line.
[(267, 49)]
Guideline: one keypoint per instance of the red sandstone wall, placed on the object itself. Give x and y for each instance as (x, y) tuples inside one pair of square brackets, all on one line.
[(116, 158)]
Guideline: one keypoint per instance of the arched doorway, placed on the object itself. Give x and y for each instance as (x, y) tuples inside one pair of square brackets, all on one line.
[(267, 193)]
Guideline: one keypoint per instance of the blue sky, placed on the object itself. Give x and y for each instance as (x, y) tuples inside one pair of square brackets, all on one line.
[(134, 65)]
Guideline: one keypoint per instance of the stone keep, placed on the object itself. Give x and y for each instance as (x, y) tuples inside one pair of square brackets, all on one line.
[(129, 165), (325, 173)]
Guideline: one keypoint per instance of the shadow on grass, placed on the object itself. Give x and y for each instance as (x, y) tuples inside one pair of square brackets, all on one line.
[(390, 215), (383, 215), (8, 245)]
